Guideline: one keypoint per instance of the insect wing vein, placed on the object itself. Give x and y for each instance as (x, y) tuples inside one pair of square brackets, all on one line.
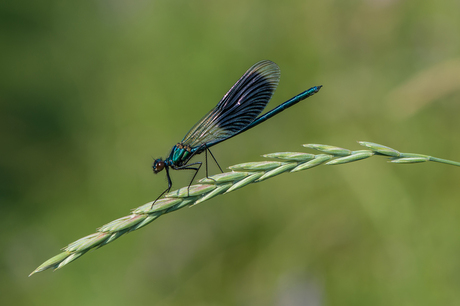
[(238, 108)]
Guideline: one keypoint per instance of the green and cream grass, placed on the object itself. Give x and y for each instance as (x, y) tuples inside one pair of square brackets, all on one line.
[(240, 175)]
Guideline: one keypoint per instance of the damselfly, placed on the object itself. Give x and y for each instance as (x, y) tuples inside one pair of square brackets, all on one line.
[(237, 112)]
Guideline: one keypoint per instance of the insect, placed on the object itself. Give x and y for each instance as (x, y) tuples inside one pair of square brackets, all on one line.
[(237, 112)]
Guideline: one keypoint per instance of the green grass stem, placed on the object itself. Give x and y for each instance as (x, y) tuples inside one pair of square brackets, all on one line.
[(240, 176)]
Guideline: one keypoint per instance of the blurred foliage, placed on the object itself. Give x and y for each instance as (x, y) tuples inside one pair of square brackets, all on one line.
[(90, 91)]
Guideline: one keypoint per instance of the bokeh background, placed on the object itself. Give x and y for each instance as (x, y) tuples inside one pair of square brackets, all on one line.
[(91, 91)]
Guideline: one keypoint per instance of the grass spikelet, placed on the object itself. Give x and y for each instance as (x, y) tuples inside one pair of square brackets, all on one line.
[(240, 176)]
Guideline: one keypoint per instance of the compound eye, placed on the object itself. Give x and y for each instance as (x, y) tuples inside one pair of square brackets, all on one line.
[(158, 165)]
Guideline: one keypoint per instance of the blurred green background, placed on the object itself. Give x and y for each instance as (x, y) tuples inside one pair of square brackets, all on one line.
[(91, 91)]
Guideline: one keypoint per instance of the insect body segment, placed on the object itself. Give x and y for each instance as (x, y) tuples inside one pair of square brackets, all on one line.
[(179, 154)]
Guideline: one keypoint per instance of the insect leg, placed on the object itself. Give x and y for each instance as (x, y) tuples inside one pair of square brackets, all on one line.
[(207, 149), (187, 167), (167, 189)]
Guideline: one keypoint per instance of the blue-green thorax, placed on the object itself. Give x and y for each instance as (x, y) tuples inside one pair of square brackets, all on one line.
[(179, 155)]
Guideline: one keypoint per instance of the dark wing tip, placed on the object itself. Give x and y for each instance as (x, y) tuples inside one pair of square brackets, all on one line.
[(268, 69)]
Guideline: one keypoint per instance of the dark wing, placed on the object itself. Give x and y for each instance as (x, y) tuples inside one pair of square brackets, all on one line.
[(238, 108)]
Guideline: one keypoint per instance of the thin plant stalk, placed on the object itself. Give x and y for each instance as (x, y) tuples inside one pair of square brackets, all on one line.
[(240, 175)]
